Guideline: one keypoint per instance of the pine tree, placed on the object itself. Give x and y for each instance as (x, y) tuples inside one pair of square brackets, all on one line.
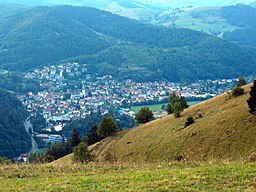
[(74, 139), (107, 127), (252, 100)]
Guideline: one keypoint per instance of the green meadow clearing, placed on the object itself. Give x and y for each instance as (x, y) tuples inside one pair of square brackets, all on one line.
[(158, 107)]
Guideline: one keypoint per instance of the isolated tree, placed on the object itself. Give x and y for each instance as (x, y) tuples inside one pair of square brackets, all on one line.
[(74, 139), (107, 127), (176, 104), (252, 100), (144, 115), (82, 153), (241, 81)]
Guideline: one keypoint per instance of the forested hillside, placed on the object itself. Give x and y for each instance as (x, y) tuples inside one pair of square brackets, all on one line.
[(8, 9), (14, 139), (244, 17), (114, 45)]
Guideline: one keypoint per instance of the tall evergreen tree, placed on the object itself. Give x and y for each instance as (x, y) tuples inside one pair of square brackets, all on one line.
[(74, 139), (252, 100)]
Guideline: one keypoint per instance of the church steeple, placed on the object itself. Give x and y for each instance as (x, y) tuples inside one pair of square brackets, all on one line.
[(83, 88)]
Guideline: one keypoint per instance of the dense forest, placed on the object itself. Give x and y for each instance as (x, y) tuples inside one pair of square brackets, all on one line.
[(14, 139), (118, 46), (14, 81)]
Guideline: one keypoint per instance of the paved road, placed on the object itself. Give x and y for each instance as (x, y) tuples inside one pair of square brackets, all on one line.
[(34, 146)]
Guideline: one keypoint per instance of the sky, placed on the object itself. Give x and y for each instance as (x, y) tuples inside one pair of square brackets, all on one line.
[(169, 3)]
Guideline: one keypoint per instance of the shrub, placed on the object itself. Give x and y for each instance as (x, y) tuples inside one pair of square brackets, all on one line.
[(144, 115), (82, 154), (241, 81), (48, 159), (190, 120), (237, 91), (252, 100), (4, 161), (253, 157)]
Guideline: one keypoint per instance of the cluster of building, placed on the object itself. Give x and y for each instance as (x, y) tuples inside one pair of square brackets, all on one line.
[(51, 138), (69, 92)]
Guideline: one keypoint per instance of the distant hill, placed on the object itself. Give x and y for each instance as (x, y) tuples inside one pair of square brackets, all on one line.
[(243, 17), (154, 4), (14, 139), (8, 9), (114, 45), (234, 23), (223, 130)]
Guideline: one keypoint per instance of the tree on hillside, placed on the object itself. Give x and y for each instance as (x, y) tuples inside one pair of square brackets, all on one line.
[(92, 137), (173, 98), (241, 82), (177, 109), (74, 139), (169, 109), (144, 115), (176, 104), (107, 127), (58, 150), (252, 100)]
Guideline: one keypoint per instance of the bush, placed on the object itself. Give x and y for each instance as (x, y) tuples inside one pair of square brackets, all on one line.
[(82, 154), (237, 91), (252, 100), (4, 161), (253, 157), (48, 159), (144, 115), (190, 120)]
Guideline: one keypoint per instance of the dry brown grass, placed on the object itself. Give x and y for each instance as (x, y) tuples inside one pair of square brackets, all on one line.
[(224, 129)]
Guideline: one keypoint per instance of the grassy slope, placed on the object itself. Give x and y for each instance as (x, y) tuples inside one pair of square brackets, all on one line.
[(209, 20), (226, 131), (133, 177)]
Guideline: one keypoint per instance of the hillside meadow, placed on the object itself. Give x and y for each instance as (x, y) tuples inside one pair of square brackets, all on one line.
[(223, 129), (217, 151)]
